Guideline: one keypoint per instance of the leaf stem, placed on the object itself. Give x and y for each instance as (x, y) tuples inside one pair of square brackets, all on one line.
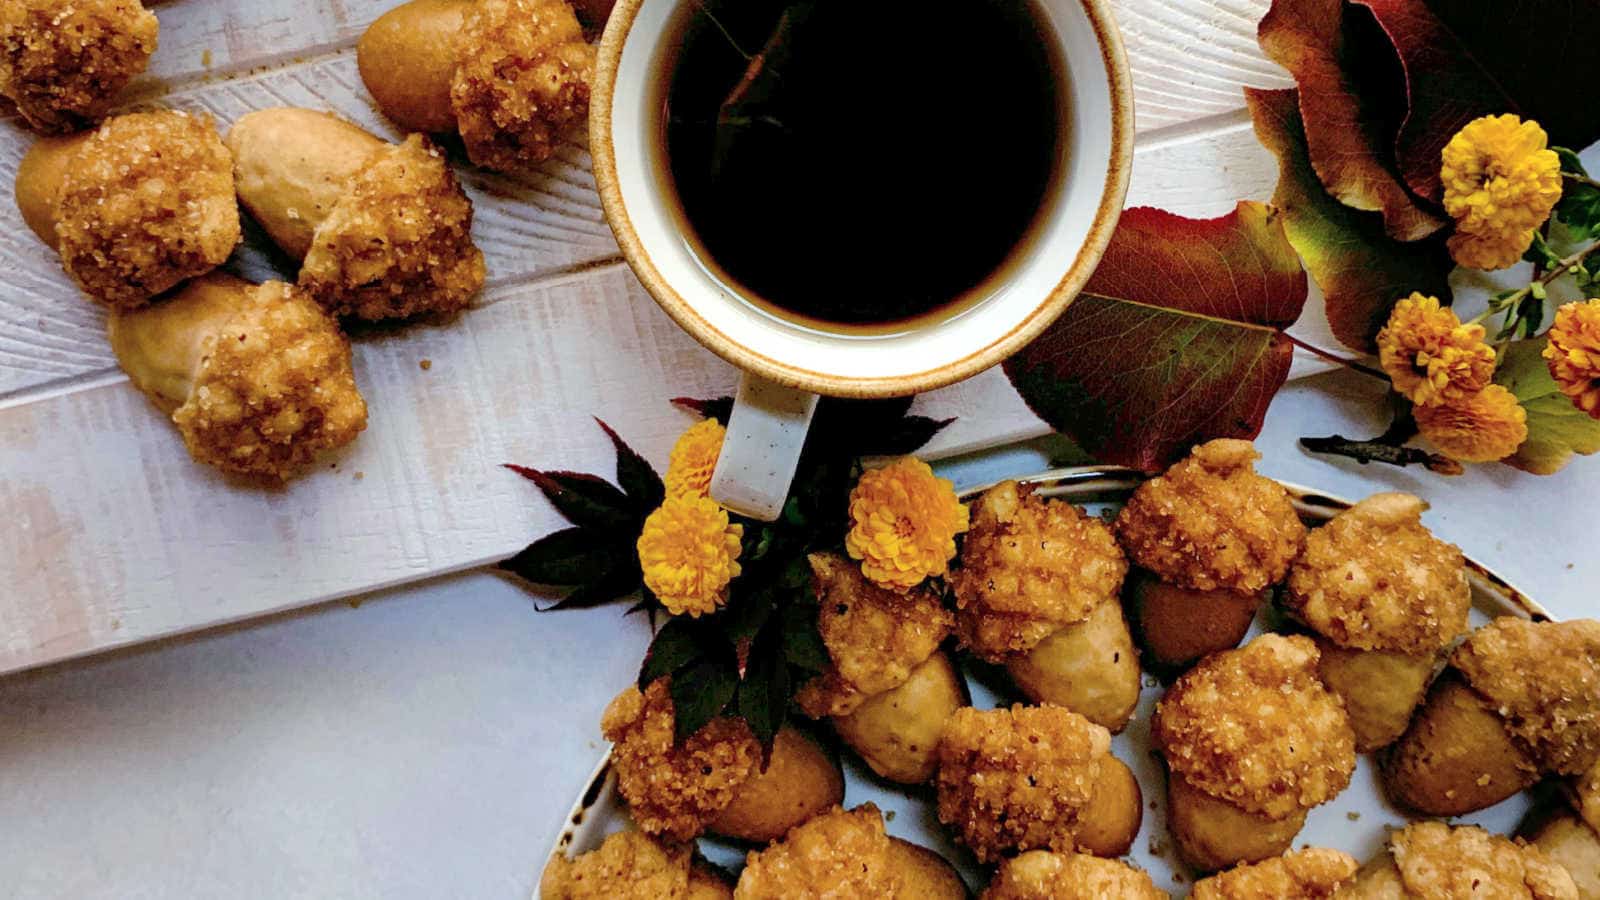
[(1348, 363)]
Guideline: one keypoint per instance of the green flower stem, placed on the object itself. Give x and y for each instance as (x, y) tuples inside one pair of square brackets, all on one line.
[(1580, 179), (1510, 301)]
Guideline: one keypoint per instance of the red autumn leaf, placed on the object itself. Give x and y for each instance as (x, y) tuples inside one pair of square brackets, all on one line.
[(1468, 58), (1361, 271), (1176, 339), (1348, 82)]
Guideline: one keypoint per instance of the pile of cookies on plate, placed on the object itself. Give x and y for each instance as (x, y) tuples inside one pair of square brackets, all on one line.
[(144, 207), (1378, 658)]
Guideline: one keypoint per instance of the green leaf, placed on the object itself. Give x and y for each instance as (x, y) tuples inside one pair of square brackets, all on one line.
[(586, 500), (1557, 430), (802, 643), (677, 644), (567, 558), (639, 481), (1541, 254), (701, 693), (763, 696)]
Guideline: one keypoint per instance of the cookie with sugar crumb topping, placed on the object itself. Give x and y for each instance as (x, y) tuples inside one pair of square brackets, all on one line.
[(1375, 578), (1543, 679), (631, 865), (1029, 567), (675, 789), (1432, 859), (521, 81), (1210, 522), (839, 854), (875, 637), (146, 203), (1030, 778), (63, 64), (1311, 874), (1255, 727), (1047, 875)]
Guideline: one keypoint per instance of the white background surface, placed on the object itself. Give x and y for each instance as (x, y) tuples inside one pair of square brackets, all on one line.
[(429, 742)]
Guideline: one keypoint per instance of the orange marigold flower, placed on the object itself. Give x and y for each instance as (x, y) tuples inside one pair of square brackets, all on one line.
[(1573, 354), (1432, 357), (694, 458), (1484, 427), (1500, 183), (689, 553), (903, 524)]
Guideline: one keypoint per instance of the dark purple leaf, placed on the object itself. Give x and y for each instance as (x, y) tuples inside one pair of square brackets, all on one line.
[(586, 500), (639, 481), (567, 558), (719, 408)]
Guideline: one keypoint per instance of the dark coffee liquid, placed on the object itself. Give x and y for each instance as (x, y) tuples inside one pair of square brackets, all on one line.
[(862, 162)]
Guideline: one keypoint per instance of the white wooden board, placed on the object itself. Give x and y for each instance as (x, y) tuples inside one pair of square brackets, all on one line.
[(112, 536)]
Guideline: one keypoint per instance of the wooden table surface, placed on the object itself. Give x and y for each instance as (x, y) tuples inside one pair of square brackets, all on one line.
[(114, 536)]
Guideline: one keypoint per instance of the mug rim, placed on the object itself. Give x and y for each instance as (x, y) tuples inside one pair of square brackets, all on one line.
[(1108, 212)]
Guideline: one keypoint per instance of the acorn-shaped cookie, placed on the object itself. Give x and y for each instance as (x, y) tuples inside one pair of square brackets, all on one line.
[(713, 780), (846, 853), (510, 76), (1252, 741), (1572, 837), (890, 688), (633, 864), (136, 207), (383, 230), (1207, 538), (1519, 701), (1310, 874), (1386, 599), (1033, 778), (1050, 875), (257, 378), (1037, 592), (63, 64), (1431, 860)]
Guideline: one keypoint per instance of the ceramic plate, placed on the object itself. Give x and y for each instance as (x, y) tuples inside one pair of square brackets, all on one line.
[(1356, 821)]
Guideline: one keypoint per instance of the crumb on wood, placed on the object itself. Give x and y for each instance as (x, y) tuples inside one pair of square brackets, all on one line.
[(426, 365)]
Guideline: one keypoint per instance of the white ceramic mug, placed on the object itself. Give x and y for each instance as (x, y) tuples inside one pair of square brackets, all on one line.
[(787, 366)]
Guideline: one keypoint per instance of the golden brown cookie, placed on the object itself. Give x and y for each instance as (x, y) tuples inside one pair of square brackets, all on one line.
[(63, 64), (1029, 778), (1252, 740), (258, 379)]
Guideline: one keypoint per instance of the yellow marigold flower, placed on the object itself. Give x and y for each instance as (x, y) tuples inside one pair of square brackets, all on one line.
[(1484, 427), (1500, 184), (694, 458), (1430, 355), (903, 524), (689, 552), (1573, 354)]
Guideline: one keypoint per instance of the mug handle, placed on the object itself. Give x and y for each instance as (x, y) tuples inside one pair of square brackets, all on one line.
[(762, 448)]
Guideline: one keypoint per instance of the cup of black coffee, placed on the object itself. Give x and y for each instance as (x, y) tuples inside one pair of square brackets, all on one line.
[(857, 198)]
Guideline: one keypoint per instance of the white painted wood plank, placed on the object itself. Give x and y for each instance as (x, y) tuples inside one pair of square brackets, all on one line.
[(116, 537)]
